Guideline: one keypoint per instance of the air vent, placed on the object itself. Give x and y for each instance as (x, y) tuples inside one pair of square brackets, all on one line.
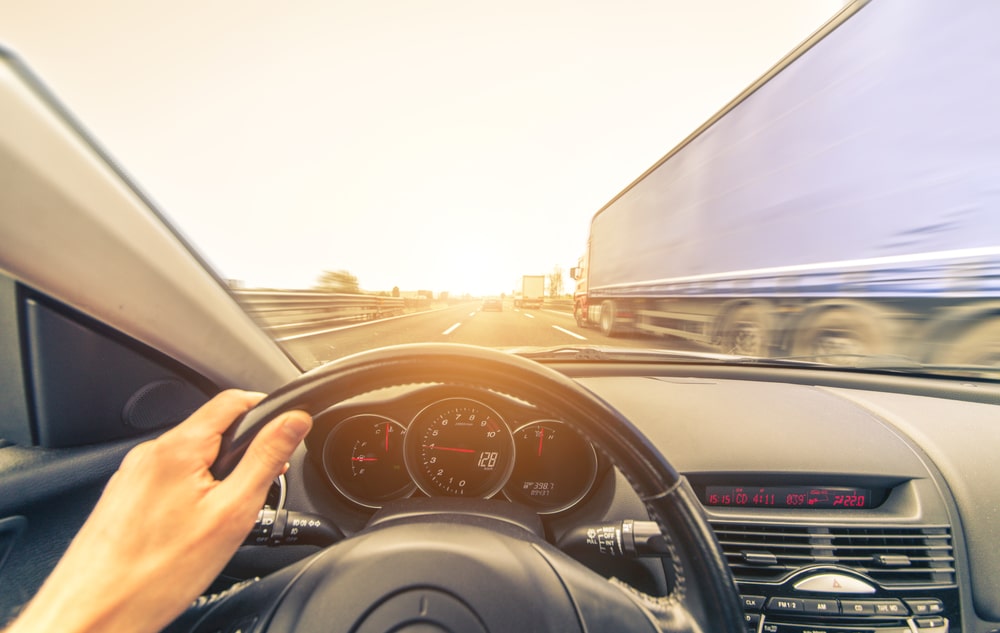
[(892, 556)]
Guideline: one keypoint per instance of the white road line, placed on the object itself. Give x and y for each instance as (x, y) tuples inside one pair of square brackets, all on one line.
[(472, 314), (568, 315), (530, 316), (451, 329), (573, 334)]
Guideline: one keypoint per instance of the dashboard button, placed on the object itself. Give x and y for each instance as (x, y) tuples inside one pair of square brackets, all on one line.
[(858, 607), (784, 605), (827, 607), (834, 583), (931, 623), (890, 607), (925, 606), (753, 603)]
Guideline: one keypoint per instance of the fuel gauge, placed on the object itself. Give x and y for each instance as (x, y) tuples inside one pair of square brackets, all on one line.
[(363, 457), (555, 467)]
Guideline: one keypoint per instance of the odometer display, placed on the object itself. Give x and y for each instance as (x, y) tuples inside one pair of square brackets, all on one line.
[(459, 447), (810, 497)]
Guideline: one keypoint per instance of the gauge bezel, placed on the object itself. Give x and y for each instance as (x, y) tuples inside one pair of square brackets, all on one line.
[(414, 463), (591, 478), (333, 479)]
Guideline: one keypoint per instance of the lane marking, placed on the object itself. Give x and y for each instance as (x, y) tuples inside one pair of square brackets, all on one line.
[(473, 313), (573, 334), (451, 329), (568, 315), (530, 316)]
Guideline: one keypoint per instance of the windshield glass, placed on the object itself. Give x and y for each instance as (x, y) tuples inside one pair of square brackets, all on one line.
[(718, 179)]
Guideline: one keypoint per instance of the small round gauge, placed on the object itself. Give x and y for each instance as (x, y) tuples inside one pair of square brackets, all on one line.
[(555, 467), (363, 457), (459, 447)]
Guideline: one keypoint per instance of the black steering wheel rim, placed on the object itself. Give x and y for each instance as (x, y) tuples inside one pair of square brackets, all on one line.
[(704, 596)]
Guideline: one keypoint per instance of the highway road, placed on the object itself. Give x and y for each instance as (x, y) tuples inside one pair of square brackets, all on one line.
[(463, 323)]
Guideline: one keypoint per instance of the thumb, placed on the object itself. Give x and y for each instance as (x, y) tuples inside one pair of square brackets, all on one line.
[(267, 454)]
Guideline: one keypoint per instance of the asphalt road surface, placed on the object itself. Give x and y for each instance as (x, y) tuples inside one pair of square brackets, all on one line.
[(464, 323)]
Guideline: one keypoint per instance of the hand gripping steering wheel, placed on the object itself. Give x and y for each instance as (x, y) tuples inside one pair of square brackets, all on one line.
[(434, 567)]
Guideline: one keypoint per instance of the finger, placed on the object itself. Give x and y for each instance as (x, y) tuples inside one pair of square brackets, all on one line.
[(216, 415), (267, 455)]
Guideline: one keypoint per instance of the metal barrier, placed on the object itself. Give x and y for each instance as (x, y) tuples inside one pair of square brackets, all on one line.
[(287, 312), (563, 305)]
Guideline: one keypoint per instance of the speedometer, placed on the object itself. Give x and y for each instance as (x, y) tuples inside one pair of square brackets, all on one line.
[(459, 447)]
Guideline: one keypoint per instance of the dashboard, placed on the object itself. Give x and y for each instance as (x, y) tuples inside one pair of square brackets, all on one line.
[(846, 508), (446, 441)]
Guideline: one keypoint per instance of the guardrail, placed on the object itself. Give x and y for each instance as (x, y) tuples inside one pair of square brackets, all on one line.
[(287, 312), (564, 305)]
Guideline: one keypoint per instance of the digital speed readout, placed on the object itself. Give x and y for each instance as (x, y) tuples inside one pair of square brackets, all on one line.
[(788, 497)]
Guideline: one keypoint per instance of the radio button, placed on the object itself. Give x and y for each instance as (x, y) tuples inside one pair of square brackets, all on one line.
[(834, 583), (784, 605), (753, 603), (931, 623), (821, 607), (857, 607), (925, 606), (890, 607)]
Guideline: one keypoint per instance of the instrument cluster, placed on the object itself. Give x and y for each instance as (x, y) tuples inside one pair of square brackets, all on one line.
[(454, 444)]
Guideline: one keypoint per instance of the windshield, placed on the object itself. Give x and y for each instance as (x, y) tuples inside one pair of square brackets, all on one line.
[(797, 181)]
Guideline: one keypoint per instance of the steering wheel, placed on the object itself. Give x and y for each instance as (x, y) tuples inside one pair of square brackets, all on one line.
[(432, 566)]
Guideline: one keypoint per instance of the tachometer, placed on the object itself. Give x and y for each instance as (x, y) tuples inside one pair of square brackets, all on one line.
[(363, 457), (459, 447), (555, 467)]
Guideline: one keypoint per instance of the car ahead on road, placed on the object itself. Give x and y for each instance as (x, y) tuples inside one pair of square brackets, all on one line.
[(492, 303), (466, 488)]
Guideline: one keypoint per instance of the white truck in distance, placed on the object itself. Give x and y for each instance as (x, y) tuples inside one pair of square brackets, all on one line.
[(887, 151), (532, 292)]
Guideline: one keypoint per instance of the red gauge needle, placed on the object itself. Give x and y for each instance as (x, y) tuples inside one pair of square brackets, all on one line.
[(364, 459), (541, 437), (386, 437), (448, 448)]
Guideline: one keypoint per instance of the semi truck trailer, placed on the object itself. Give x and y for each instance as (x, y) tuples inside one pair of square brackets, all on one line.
[(532, 291), (845, 204)]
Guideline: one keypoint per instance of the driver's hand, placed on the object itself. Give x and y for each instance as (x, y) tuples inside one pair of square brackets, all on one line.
[(164, 527)]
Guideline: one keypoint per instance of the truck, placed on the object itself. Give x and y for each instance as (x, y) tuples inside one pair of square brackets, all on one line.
[(532, 292), (846, 205)]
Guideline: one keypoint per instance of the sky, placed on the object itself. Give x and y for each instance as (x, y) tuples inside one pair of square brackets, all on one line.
[(448, 145)]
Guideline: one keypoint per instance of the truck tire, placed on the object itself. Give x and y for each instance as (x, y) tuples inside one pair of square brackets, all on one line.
[(609, 319), (976, 345), (748, 331), (580, 314), (840, 335)]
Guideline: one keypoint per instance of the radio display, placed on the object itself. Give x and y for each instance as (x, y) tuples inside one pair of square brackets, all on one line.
[(811, 497)]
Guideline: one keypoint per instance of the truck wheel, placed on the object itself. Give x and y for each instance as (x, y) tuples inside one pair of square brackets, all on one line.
[(748, 331), (609, 326), (840, 336), (977, 345), (580, 315)]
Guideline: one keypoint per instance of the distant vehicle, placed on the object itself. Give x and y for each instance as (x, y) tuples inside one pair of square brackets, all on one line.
[(492, 303), (532, 291), (766, 234)]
